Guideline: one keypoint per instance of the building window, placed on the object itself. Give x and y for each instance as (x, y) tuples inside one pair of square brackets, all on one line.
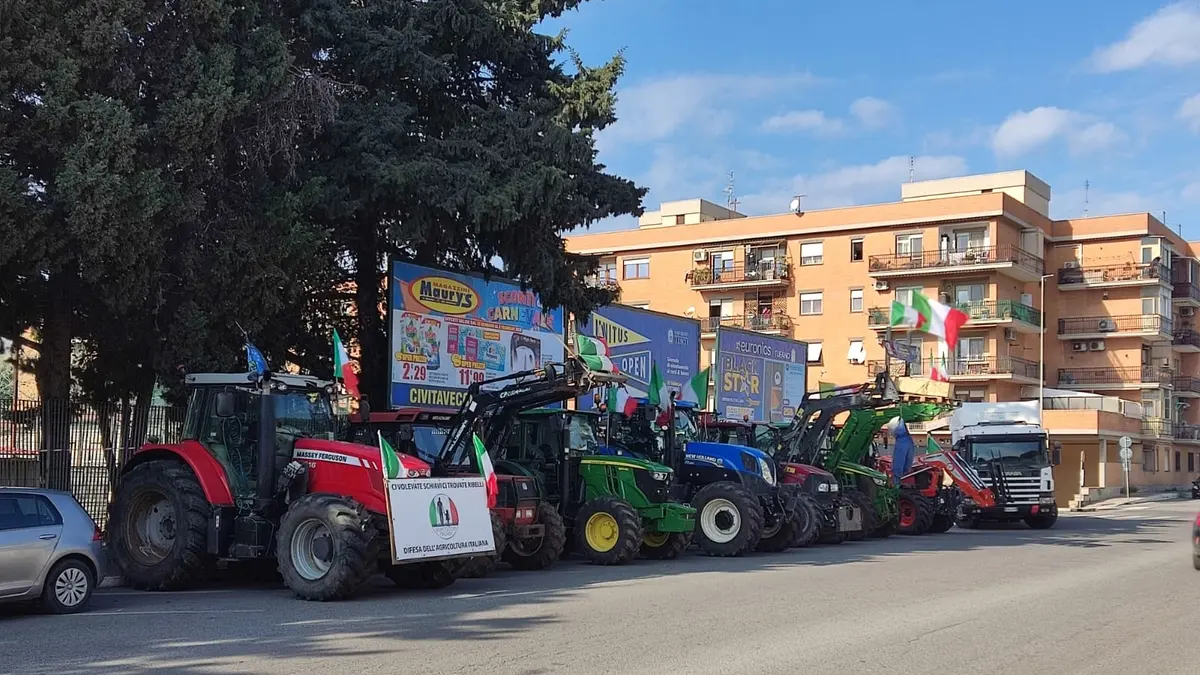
[(679, 219), (908, 244), (1178, 463), (811, 303), (607, 272), (856, 250), (718, 310), (970, 349), (637, 268), (904, 295), (1191, 462), (814, 352), (812, 253), (857, 352), (856, 299), (969, 293)]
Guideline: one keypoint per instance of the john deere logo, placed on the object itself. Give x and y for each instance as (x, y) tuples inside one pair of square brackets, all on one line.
[(447, 296), (443, 516)]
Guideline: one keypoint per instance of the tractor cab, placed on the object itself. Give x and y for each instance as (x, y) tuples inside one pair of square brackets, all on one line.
[(417, 432)]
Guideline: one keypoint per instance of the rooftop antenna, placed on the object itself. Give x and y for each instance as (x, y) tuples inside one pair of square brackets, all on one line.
[(912, 169), (1087, 186), (731, 202)]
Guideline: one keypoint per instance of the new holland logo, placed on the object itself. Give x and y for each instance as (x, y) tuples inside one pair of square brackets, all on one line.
[(443, 516), (614, 333), (445, 295)]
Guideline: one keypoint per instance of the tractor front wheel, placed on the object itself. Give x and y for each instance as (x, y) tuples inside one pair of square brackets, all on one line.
[(477, 567), (158, 528), (729, 520), (941, 523), (327, 547), (809, 512), (608, 531), (916, 513), (538, 553), (966, 521), (785, 528), (664, 545)]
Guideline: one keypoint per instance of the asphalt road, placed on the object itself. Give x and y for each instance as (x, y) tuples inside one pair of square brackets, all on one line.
[(1110, 592)]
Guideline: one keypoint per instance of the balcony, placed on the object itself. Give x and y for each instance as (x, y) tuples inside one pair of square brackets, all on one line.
[(993, 368), (1185, 340), (1112, 276), (774, 323), (1114, 377), (764, 274), (1182, 431), (1020, 317), (1185, 293), (1157, 428), (897, 368), (1005, 259), (606, 282), (1100, 327), (1187, 386)]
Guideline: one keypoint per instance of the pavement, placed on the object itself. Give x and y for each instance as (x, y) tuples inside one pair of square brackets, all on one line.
[(1135, 500), (1106, 592)]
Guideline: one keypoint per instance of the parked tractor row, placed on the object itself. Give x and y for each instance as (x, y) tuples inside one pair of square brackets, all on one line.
[(264, 476)]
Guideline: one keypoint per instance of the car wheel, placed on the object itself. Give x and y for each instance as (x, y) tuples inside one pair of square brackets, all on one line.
[(68, 587)]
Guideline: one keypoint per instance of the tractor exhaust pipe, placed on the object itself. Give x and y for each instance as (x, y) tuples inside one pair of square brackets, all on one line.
[(266, 447)]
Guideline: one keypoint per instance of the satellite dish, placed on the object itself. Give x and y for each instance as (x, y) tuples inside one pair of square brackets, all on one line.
[(795, 206), (691, 311)]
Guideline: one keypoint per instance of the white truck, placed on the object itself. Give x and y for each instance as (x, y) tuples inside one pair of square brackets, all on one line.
[(1006, 444)]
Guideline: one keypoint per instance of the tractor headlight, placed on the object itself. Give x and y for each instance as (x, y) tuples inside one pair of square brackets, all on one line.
[(833, 487), (661, 475), (822, 487), (765, 468)]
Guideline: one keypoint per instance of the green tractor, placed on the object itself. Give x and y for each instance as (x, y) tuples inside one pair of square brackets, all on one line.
[(616, 506)]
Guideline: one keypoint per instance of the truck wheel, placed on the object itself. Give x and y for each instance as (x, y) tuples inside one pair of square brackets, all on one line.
[(158, 528), (782, 534), (861, 501), (941, 523), (916, 513), (729, 520), (1041, 522), (429, 574), (477, 567), (664, 545), (811, 513), (608, 531), (538, 553), (326, 547)]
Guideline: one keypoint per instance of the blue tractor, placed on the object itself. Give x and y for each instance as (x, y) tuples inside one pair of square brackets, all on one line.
[(739, 504)]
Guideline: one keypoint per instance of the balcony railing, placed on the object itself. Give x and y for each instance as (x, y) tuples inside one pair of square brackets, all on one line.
[(1185, 337), (1094, 377), (1119, 272), (897, 368), (993, 365), (986, 310), (605, 282), (932, 260), (779, 270), (1157, 428), (1185, 290), (1185, 432), (1132, 323), (775, 321), (1187, 384)]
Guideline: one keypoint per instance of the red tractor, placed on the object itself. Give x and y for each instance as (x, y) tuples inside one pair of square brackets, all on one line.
[(927, 478), (258, 476)]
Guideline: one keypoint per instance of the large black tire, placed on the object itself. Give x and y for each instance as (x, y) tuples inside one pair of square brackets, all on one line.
[(616, 531), (916, 513), (540, 552), (729, 520), (831, 537), (477, 567), (157, 531), (941, 523), (664, 546), (783, 533), (884, 529), (1042, 522), (869, 521), (966, 522), (810, 527), (429, 574), (327, 547)]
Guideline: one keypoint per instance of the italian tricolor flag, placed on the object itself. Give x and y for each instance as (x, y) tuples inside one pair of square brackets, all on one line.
[(623, 400), (694, 391), (342, 367), (939, 372), (929, 316), (486, 470), (594, 352)]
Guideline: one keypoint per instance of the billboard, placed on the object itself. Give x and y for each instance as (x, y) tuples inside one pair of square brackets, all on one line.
[(638, 337), (448, 330), (759, 377)]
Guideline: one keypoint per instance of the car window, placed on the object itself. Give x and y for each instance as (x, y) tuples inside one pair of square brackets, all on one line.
[(22, 511)]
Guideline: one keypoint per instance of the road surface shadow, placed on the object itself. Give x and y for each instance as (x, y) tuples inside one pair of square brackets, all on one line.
[(239, 620)]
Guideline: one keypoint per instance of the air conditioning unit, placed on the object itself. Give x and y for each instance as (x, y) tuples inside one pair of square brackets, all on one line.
[(1106, 326), (1071, 265), (1096, 346), (699, 255), (1010, 334), (1079, 346), (881, 285), (1187, 311)]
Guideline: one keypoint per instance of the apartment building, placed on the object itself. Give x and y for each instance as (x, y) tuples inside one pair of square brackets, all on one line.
[(1102, 306)]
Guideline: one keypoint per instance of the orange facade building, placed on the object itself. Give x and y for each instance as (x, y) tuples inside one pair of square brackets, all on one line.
[(1103, 306)]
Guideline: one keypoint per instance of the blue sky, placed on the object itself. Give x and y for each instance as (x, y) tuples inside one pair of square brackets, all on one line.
[(830, 99)]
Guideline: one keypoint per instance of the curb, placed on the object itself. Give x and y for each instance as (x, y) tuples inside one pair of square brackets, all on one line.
[(1161, 497)]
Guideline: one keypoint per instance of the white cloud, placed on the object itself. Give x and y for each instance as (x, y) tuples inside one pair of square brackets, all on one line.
[(873, 113), (851, 185), (805, 120), (703, 104), (1189, 112), (1169, 37), (1028, 130)]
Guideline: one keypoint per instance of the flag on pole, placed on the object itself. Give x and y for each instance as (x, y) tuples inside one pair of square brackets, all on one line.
[(485, 468), (659, 394), (621, 400), (255, 360), (594, 352), (929, 316), (392, 468), (342, 367), (695, 390), (939, 370)]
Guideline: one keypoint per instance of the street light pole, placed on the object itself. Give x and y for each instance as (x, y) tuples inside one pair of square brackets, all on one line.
[(1042, 346)]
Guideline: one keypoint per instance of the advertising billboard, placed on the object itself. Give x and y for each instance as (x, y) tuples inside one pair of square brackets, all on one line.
[(638, 337), (448, 330), (759, 377)]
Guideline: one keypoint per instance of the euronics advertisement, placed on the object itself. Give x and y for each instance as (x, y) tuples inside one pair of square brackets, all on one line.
[(449, 330), (636, 338), (438, 518), (758, 376)]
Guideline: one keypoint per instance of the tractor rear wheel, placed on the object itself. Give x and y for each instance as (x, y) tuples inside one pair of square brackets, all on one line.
[(538, 553), (477, 567), (809, 512), (916, 513), (941, 523), (783, 532), (608, 531), (729, 520), (664, 545), (327, 547), (158, 528), (869, 520)]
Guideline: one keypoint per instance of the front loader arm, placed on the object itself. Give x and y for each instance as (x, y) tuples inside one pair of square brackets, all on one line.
[(965, 478)]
